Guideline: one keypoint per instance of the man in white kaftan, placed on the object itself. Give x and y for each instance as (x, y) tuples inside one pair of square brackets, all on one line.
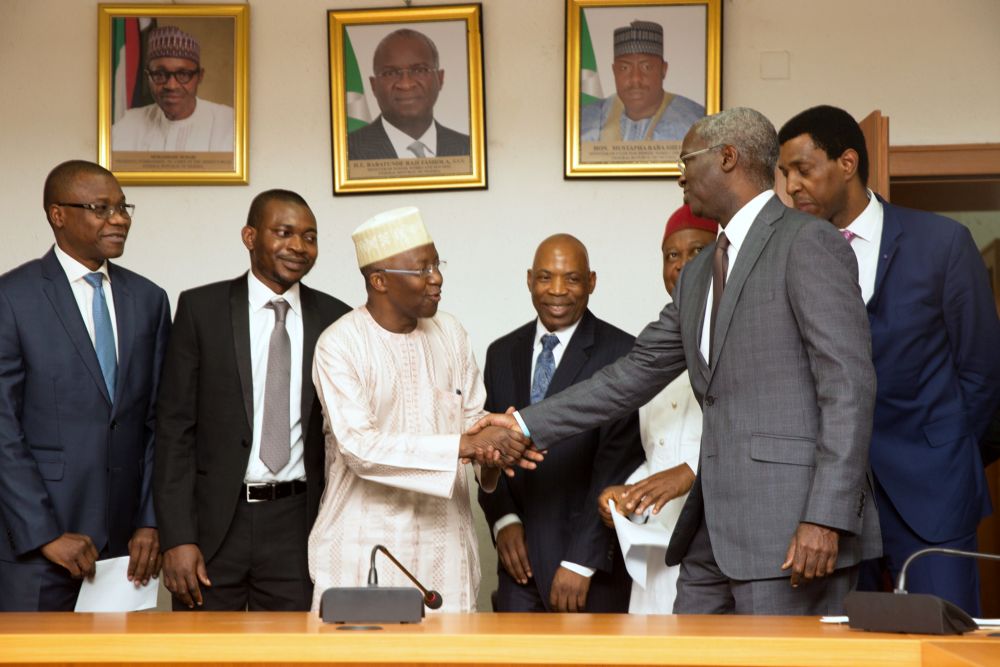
[(399, 386)]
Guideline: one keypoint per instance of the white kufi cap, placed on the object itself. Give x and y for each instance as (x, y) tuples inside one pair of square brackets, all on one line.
[(388, 234)]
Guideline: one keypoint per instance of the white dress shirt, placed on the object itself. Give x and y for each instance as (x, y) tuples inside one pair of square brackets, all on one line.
[(401, 141), (261, 326), (84, 293), (736, 231), (867, 230), (564, 336)]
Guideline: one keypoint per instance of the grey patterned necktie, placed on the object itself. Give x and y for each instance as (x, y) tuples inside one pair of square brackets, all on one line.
[(720, 267), (545, 368), (104, 335), (275, 437), (417, 149)]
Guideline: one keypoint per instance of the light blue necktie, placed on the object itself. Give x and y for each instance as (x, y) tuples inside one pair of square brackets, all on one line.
[(104, 335), (545, 367)]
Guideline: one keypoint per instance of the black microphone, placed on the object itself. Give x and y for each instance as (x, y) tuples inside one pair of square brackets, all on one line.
[(918, 613), (432, 598)]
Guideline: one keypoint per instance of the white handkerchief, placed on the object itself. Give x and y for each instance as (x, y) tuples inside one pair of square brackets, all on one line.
[(636, 540), (110, 589)]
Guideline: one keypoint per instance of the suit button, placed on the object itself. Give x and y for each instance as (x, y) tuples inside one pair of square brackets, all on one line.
[(245, 443), (114, 424), (710, 401)]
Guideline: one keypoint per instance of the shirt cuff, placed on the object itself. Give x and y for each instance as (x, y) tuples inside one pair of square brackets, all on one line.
[(579, 569), (503, 522), (520, 422)]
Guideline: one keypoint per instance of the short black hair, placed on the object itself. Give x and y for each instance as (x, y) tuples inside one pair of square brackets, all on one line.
[(264, 198), (61, 178), (833, 130)]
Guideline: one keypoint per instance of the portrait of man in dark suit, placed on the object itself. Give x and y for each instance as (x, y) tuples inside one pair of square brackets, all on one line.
[(240, 457), (554, 552), (406, 79), (81, 346), (936, 349), (769, 322)]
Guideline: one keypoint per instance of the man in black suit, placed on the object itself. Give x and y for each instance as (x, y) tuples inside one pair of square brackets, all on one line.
[(406, 80), (555, 554), (240, 452)]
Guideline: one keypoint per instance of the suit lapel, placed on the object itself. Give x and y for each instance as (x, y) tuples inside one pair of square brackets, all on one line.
[(240, 318), (384, 146), (753, 245), (521, 365), (575, 356), (310, 334), (892, 232), (60, 296), (125, 317)]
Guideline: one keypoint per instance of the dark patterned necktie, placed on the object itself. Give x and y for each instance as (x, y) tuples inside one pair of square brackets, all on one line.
[(720, 266), (545, 368)]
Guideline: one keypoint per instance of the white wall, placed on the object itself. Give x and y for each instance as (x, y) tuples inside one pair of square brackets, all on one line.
[(932, 66)]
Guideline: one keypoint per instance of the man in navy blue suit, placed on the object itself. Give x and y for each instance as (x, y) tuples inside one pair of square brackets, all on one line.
[(935, 346), (81, 343), (555, 554)]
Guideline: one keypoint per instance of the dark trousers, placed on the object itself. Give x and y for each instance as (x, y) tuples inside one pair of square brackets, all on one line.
[(702, 588), (262, 563), (953, 578), (38, 584)]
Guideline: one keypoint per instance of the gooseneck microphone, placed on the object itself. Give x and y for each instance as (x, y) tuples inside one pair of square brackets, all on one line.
[(432, 598), (901, 582)]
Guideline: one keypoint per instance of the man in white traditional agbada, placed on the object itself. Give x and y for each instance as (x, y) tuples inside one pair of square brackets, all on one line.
[(670, 428), (399, 386)]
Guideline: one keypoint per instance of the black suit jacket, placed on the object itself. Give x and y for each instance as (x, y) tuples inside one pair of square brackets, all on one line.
[(205, 412), (372, 143), (557, 503)]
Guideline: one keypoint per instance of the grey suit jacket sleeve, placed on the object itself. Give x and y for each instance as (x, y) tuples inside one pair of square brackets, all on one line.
[(656, 358), (823, 289)]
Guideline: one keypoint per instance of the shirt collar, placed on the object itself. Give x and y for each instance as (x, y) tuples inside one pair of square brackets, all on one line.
[(259, 295), (737, 229), (75, 270), (867, 225), (564, 335), (401, 140)]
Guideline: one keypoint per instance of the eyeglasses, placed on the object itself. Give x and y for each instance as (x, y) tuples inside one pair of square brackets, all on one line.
[(161, 76), (424, 273), (105, 211), (419, 72), (682, 167)]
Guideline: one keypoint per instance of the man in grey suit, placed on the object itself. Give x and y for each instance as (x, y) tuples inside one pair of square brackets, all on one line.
[(773, 331)]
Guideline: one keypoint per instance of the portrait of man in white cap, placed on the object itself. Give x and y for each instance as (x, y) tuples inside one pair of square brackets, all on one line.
[(179, 120), (399, 388), (641, 109)]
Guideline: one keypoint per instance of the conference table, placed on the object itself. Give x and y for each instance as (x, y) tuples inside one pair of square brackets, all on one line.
[(225, 638)]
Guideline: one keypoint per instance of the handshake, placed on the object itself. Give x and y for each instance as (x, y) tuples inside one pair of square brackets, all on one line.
[(496, 441)]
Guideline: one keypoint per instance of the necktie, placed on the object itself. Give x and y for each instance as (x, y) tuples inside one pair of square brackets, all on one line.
[(847, 234), (104, 335), (275, 437), (417, 149), (720, 267), (545, 367)]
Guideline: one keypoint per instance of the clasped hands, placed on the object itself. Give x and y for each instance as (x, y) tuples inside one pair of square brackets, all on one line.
[(496, 441)]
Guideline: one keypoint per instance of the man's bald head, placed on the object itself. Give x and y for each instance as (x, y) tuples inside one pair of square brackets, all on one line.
[(560, 281), (61, 180)]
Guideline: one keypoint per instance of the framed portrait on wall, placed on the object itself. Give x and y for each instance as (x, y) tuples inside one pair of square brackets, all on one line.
[(406, 99), (172, 93), (639, 73)]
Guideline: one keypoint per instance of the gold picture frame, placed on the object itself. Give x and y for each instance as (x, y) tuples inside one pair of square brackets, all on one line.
[(372, 154), (602, 139), (136, 137)]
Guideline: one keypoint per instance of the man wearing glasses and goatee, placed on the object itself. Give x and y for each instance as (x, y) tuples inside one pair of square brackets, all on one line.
[(81, 345), (180, 120)]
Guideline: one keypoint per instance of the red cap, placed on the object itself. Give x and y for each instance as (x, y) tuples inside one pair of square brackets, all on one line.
[(683, 218)]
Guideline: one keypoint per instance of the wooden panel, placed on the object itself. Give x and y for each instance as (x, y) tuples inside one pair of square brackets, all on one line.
[(875, 127), (950, 160), (479, 639), (961, 655)]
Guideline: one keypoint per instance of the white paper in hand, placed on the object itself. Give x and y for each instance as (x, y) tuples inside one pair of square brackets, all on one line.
[(110, 590), (636, 540)]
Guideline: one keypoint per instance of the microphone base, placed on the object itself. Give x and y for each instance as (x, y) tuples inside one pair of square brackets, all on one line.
[(906, 612), (371, 604)]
